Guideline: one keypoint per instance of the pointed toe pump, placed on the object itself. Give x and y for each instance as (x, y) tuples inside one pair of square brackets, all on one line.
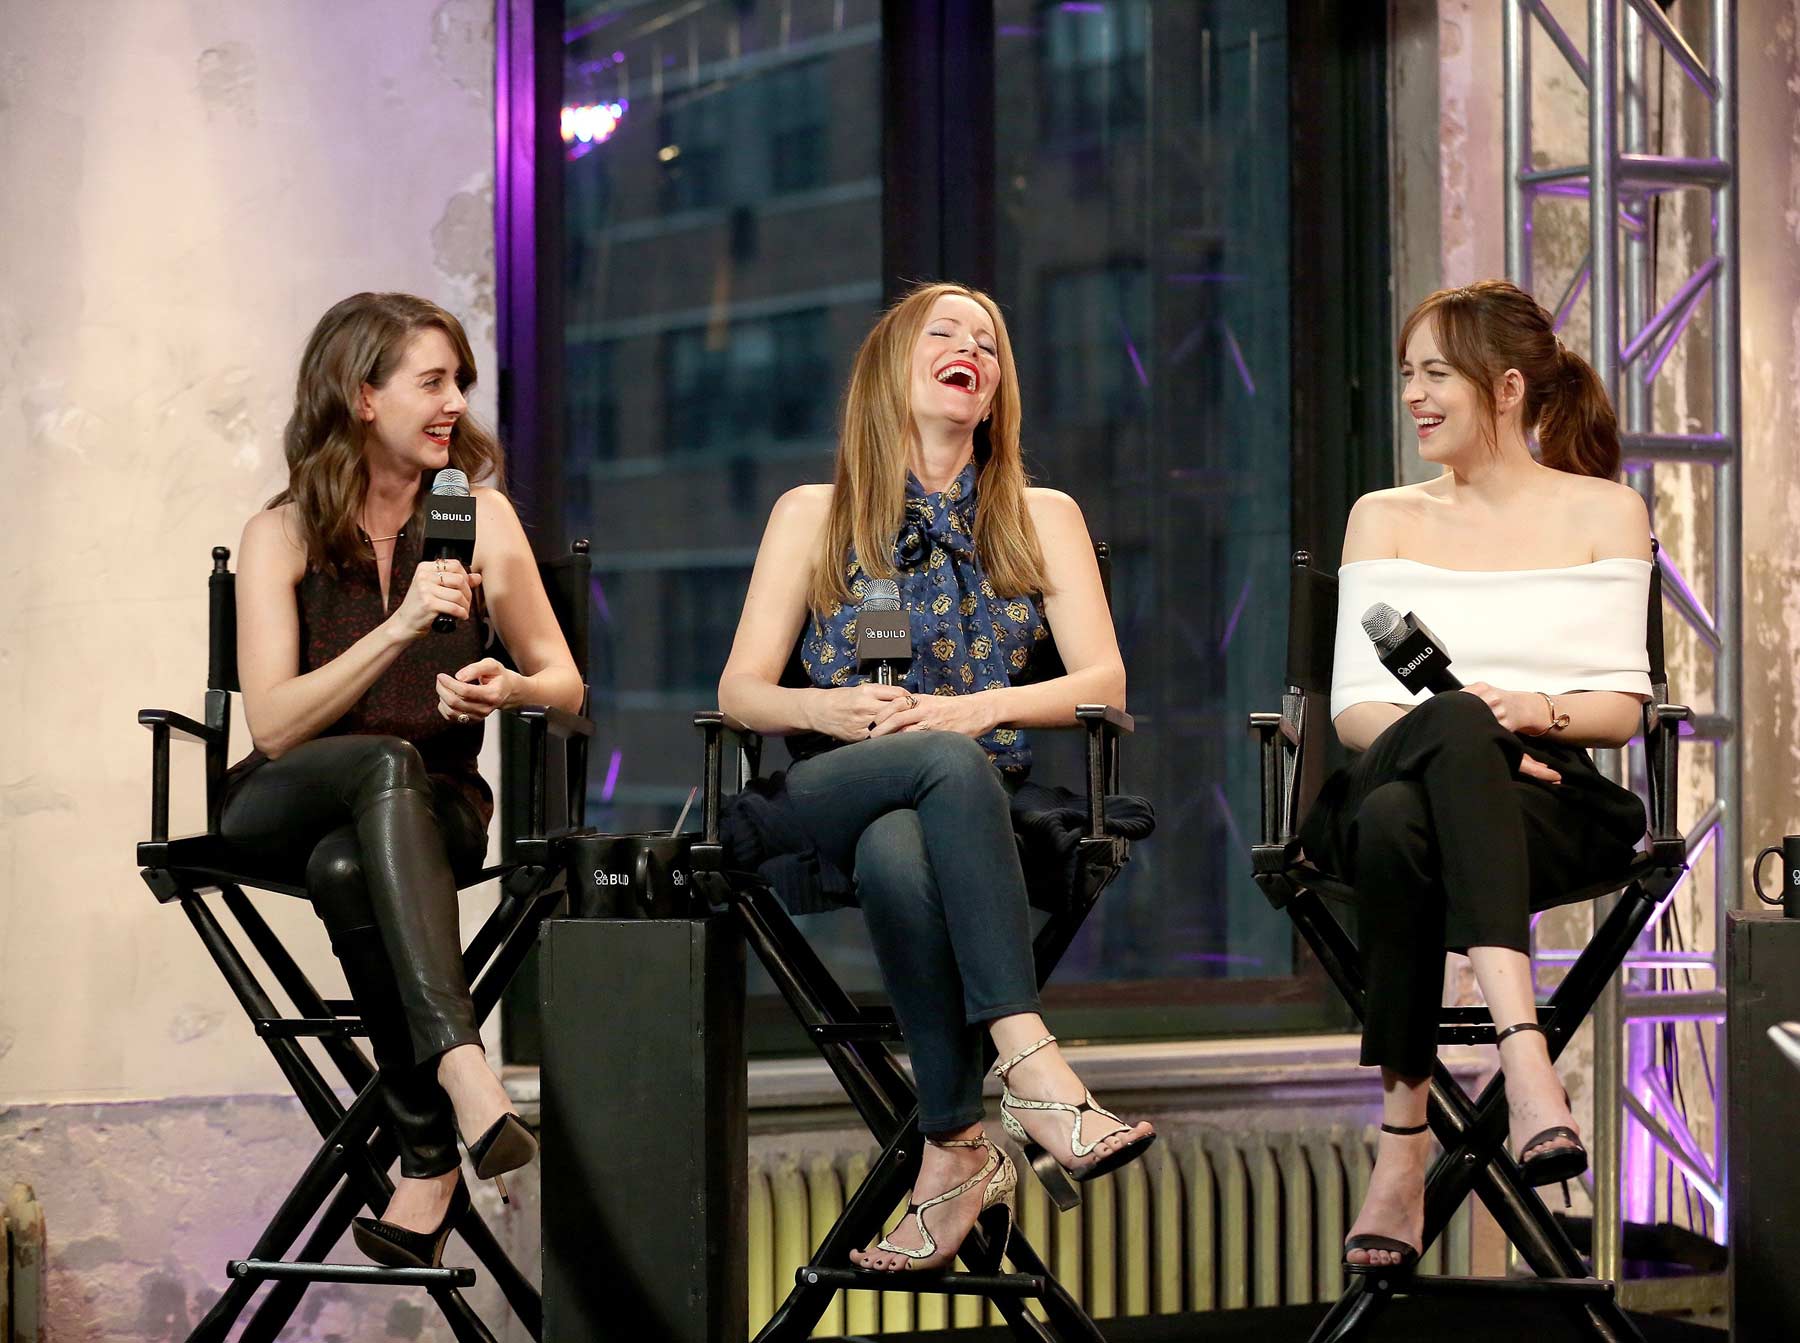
[(395, 1247)]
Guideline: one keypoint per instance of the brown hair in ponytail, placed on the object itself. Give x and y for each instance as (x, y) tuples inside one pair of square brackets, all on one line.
[(1483, 330)]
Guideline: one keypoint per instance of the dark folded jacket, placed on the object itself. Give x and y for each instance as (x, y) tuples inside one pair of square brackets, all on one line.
[(760, 833)]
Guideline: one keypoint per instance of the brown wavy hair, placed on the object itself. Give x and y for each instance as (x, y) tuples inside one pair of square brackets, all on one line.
[(362, 340), (868, 501), (1487, 328)]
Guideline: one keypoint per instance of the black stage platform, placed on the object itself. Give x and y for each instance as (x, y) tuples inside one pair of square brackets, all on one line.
[(1421, 1320)]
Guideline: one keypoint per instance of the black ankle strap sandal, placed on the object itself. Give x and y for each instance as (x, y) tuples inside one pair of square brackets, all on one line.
[(1561, 1164)]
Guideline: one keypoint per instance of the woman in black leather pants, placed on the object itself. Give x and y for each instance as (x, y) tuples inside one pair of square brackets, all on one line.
[(367, 725)]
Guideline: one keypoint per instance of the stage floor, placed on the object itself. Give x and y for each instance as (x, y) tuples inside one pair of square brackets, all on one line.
[(1420, 1320)]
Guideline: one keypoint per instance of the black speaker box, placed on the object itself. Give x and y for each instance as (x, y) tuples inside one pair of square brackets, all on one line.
[(645, 1185), (1762, 972)]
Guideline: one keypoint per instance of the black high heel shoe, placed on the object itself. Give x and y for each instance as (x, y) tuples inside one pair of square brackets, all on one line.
[(505, 1146), (396, 1247), (1409, 1254), (1554, 1167)]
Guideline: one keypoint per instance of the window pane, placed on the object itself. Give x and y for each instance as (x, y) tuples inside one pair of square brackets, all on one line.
[(723, 243), (1143, 162)]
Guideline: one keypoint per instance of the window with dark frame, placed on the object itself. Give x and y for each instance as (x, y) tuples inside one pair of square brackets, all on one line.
[(1172, 267)]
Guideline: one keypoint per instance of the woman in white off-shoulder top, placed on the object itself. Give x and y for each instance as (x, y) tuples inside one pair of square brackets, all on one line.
[(1465, 812)]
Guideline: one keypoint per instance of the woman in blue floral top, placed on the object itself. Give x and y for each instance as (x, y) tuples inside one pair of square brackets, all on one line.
[(906, 785)]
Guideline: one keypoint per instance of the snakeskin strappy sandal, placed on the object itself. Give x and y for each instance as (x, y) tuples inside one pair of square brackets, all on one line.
[(995, 1218), (1059, 1181)]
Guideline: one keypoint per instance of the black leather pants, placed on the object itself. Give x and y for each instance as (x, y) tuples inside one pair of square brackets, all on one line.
[(381, 843)]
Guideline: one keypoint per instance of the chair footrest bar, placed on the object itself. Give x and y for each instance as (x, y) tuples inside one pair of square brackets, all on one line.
[(258, 1270), (854, 1031), (951, 1284), (1426, 1284), (290, 1028)]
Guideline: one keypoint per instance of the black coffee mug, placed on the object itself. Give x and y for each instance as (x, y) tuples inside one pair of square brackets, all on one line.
[(631, 876), (1789, 898)]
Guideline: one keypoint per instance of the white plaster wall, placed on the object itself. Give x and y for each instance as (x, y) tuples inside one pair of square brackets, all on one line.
[(189, 185)]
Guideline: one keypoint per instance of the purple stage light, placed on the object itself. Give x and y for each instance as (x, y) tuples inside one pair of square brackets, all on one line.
[(1238, 843), (1236, 611), (1218, 958), (598, 593), (612, 775), (1131, 349), (1237, 357), (592, 26)]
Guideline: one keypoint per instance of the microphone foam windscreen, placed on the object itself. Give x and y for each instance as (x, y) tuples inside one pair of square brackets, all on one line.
[(1383, 624), (450, 481), (882, 594)]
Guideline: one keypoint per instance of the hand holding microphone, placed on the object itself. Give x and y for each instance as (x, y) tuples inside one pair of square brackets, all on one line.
[(440, 590), (883, 653), (450, 535), (1416, 657)]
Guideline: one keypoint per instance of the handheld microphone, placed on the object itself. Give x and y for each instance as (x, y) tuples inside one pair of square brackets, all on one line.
[(1409, 650), (883, 632), (449, 528)]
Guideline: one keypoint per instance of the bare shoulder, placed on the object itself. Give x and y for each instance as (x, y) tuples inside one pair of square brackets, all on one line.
[(802, 508), (492, 502), (1613, 517), (272, 540), (1052, 507), (1380, 517)]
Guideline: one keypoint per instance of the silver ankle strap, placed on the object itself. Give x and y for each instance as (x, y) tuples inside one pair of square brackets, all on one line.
[(1002, 1069)]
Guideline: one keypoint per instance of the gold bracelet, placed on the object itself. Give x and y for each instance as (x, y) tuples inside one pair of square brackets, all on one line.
[(1558, 721)]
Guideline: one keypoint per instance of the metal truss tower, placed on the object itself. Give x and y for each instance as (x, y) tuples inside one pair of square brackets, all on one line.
[(1632, 339)]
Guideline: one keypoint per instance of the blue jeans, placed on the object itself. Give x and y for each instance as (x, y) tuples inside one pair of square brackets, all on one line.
[(924, 822)]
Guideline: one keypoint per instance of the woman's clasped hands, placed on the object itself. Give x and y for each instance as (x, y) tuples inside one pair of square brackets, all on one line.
[(858, 712)]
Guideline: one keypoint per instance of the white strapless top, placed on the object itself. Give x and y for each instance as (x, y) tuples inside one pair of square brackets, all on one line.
[(1555, 630)]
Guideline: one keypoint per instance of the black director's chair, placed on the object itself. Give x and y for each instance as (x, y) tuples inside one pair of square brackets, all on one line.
[(859, 1044), (543, 774), (1472, 1131)]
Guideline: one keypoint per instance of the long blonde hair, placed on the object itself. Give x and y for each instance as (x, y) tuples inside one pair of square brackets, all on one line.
[(362, 340), (868, 499)]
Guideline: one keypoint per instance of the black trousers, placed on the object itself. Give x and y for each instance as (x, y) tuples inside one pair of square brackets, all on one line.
[(924, 820), (381, 843), (1448, 848)]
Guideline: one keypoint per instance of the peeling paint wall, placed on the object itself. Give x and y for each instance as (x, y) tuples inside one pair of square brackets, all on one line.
[(145, 1202), (190, 184)]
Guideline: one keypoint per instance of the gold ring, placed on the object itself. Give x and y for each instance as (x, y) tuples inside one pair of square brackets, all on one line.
[(440, 564), (463, 718), (911, 703)]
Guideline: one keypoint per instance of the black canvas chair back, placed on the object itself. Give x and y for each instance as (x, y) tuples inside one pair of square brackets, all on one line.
[(859, 1044), (1472, 1131), (541, 801)]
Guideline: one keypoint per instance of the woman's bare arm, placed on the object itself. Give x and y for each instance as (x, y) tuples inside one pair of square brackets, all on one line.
[(774, 610), (521, 610), (1081, 623), (1368, 535)]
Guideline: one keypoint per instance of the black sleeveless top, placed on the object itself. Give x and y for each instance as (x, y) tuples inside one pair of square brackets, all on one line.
[(336, 612)]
